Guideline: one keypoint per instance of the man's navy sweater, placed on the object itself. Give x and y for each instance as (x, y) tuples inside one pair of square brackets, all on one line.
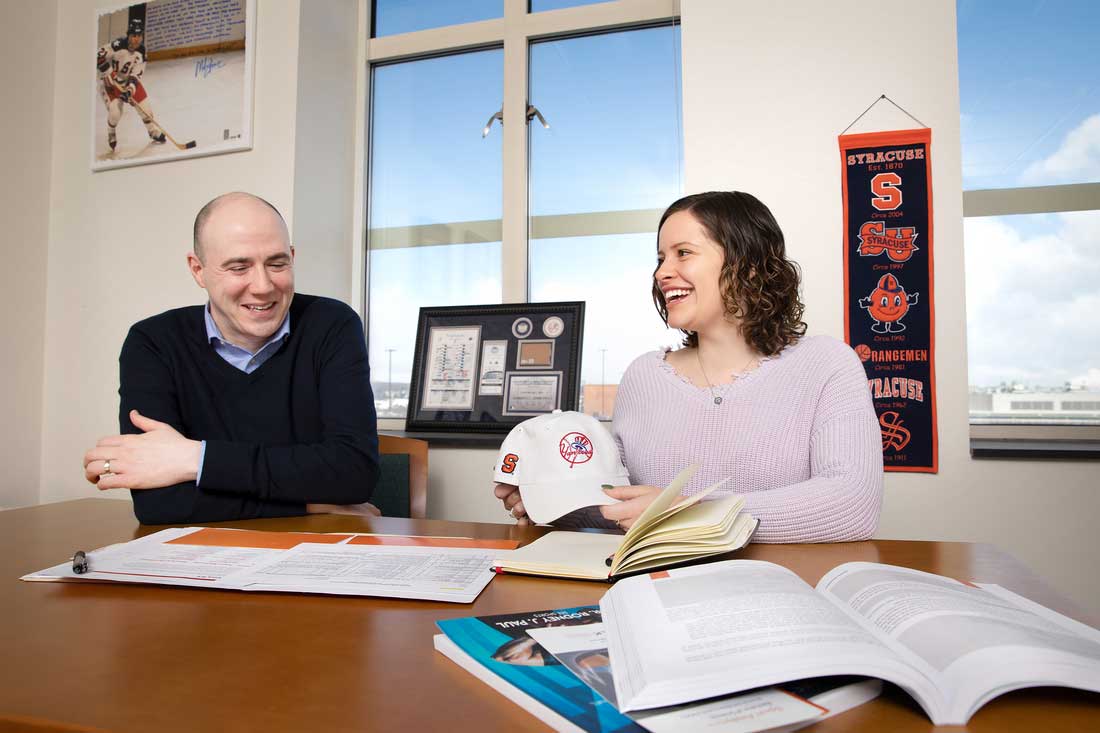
[(299, 429)]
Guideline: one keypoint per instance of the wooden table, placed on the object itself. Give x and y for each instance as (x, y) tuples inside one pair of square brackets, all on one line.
[(143, 658)]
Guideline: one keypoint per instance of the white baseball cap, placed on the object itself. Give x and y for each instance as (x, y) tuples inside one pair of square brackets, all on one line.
[(560, 461)]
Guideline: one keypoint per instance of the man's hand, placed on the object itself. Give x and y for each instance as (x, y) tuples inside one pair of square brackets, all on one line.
[(366, 509), (633, 501), (513, 503), (158, 457)]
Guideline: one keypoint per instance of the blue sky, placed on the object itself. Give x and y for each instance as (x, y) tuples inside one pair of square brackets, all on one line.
[(1029, 77)]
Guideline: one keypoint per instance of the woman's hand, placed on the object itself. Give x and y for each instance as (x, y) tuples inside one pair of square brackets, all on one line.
[(513, 502), (633, 501)]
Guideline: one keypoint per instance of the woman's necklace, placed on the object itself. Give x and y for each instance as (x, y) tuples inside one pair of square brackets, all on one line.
[(738, 373)]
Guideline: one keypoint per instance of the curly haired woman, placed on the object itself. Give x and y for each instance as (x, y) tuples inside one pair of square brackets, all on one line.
[(787, 418)]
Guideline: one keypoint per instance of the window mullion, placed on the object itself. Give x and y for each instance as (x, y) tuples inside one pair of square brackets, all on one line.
[(514, 155)]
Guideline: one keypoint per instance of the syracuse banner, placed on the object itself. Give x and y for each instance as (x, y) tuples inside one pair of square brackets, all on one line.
[(888, 315)]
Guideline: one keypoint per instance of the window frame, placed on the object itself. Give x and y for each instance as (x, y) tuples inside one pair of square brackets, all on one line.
[(1023, 440), (514, 32)]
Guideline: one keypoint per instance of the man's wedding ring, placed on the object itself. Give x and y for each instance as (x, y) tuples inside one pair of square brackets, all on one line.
[(106, 466)]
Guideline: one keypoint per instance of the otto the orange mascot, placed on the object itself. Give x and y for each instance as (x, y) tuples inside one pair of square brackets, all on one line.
[(887, 305)]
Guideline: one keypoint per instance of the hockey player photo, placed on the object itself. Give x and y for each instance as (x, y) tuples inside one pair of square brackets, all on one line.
[(173, 79), (121, 64)]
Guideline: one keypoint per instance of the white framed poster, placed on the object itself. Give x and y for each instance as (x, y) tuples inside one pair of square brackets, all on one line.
[(173, 79)]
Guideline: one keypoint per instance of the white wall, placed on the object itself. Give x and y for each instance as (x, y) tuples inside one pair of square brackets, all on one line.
[(24, 208), (325, 163)]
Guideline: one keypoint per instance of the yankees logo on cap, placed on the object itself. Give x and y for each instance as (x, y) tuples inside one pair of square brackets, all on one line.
[(560, 462), (575, 448)]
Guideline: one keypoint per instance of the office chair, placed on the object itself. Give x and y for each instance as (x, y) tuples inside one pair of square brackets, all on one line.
[(402, 488)]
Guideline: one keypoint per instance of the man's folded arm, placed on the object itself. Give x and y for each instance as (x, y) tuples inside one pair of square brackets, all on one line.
[(340, 468), (146, 385), (184, 503), (242, 480)]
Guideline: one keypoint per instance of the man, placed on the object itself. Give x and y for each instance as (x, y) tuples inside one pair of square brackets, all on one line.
[(255, 405), (120, 64)]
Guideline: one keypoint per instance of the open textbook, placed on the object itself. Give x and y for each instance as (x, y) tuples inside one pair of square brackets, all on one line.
[(454, 569), (672, 530), (693, 633), (564, 679)]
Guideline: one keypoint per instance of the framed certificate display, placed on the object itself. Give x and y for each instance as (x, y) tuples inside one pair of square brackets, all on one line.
[(485, 368)]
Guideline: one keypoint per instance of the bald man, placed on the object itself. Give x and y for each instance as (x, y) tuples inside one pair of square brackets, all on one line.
[(257, 404)]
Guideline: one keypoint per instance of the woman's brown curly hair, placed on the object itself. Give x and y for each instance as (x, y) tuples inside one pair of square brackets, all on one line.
[(759, 284)]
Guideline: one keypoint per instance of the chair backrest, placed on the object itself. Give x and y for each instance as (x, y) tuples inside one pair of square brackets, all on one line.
[(402, 489)]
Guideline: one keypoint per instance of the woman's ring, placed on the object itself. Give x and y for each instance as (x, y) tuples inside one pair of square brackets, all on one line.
[(106, 466)]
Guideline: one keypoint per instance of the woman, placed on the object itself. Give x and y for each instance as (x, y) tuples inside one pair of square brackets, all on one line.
[(788, 419)]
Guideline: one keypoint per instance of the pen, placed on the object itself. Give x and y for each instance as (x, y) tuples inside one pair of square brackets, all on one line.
[(80, 562)]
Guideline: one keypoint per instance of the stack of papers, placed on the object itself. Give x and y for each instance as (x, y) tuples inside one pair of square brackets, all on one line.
[(453, 569)]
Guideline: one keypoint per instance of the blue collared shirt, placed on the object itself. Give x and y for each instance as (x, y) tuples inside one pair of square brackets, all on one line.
[(242, 359)]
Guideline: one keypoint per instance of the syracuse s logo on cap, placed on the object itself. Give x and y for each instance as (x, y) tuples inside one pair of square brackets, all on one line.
[(575, 448)]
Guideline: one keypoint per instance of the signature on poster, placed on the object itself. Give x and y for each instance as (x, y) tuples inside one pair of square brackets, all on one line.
[(207, 65)]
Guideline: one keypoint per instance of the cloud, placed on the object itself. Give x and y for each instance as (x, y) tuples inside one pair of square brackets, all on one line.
[(1076, 160), (1032, 295)]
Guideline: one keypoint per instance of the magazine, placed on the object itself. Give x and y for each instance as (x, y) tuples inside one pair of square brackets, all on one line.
[(571, 689)]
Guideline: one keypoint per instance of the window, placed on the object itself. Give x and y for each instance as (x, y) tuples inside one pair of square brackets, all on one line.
[(466, 206), (392, 17), (611, 157), (435, 204), (1030, 125)]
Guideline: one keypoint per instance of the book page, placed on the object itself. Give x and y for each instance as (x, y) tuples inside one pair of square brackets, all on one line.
[(583, 649), (979, 644), (664, 552), (691, 633), (575, 554), (665, 505), (696, 519)]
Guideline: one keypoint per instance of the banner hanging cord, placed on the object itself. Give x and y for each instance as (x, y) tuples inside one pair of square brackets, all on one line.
[(882, 97)]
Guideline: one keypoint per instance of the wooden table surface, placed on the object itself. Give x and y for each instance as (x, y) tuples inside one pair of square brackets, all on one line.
[(129, 658)]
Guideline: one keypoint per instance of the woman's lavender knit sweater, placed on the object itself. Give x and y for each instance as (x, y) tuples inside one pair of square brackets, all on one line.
[(797, 437)]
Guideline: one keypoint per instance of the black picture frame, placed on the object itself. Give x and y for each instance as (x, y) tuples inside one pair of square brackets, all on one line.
[(537, 347)]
